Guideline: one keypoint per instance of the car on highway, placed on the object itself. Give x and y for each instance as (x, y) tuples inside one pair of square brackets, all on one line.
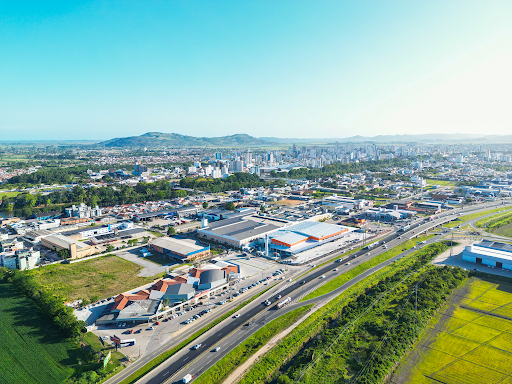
[(322, 277), (279, 296), (335, 269), (338, 261), (289, 280), (236, 316), (217, 349), (197, 346), (303, 282), (347, 264)]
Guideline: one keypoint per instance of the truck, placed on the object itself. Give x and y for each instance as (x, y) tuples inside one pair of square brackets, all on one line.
[(187, 378), (284, 302), (405, 228)]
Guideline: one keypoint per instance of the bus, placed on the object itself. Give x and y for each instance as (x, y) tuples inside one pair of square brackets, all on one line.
[(403, 229), (127, 343), (284, 302)]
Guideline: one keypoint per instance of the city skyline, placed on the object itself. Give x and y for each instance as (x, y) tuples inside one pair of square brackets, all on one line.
[(96, 70)]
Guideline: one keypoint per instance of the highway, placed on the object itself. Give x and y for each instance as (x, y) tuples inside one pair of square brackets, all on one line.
[(232, 331)]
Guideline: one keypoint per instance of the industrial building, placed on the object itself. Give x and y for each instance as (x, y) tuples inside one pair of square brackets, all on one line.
[(76, 248), (240, 231), (490, 253), (181, 250), (304, 236)]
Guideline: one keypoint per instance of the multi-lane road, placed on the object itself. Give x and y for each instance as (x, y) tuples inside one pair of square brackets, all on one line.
[(232, 331)]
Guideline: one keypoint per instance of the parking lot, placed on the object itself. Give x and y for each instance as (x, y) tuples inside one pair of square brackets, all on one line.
[(149, 336)]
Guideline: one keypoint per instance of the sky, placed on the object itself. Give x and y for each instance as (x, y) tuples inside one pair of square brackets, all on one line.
[(96, 70)]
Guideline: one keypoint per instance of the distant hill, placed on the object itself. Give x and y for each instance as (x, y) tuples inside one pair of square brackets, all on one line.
[(422, 138), (157, 139)]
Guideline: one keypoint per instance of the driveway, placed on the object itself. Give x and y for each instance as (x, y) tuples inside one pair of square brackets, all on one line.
[(150, 268)]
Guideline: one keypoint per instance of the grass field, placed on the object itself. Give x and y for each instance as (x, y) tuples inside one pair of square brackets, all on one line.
[(464, 219), (506, 230), (31, 350), (444, 183), (103, 277), (8, 194), (342, 279), (463, 344)]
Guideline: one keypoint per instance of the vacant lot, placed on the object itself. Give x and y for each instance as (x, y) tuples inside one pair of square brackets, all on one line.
[(444, 183), (102, 277), (31, 350), (469, 341)]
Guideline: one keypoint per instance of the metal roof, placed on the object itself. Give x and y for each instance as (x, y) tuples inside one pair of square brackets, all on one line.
[(181, 247), (316, 229), (211, 276)]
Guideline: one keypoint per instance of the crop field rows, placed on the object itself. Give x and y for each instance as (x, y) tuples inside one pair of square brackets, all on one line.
[(466, 346), (29, 352)]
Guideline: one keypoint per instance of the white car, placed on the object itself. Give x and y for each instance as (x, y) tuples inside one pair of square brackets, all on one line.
[(322, 277), (151, 328), (236, 316), (197, 346), (336, 269)]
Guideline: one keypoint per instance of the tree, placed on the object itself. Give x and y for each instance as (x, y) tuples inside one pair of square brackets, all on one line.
[(230, 206), (64, 253), (110, 248), (262, 209), (171, 231), (205, 205)]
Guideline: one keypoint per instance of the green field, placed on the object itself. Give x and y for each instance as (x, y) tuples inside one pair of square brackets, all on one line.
[(466, 342), (444, 183), (31, 350), (102, 277), (500, 224), (464, 219), (8, 194), (505, 230)]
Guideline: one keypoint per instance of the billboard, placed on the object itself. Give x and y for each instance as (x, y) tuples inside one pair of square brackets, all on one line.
[(106, 360)]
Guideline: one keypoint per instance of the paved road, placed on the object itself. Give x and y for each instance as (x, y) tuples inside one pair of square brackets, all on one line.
[(173, 366), (233, 331)]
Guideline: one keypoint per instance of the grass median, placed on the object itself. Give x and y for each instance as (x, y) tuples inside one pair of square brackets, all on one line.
[(342, 279), (464, 219), (267, 367), (165, 355), (222, 369)]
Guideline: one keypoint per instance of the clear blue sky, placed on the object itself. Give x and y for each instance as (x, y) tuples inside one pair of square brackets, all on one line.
[(103, 69)]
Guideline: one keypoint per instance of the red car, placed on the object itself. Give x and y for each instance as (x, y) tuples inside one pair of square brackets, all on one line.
[(157, 323), (130, 331)]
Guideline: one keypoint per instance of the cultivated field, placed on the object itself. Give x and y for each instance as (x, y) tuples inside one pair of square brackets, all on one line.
[(469, 341), (31, 350), (102, 277)]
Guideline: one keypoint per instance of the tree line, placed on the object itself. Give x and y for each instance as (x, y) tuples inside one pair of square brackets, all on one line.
[(50, 305)]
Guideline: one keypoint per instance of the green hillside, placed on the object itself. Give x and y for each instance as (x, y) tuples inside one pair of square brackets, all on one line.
[(156, 139)]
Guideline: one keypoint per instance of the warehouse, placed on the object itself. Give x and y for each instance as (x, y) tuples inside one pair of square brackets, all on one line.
[(304, 236), (76, 249), (489, 253), (239, 232), (181, 250)]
